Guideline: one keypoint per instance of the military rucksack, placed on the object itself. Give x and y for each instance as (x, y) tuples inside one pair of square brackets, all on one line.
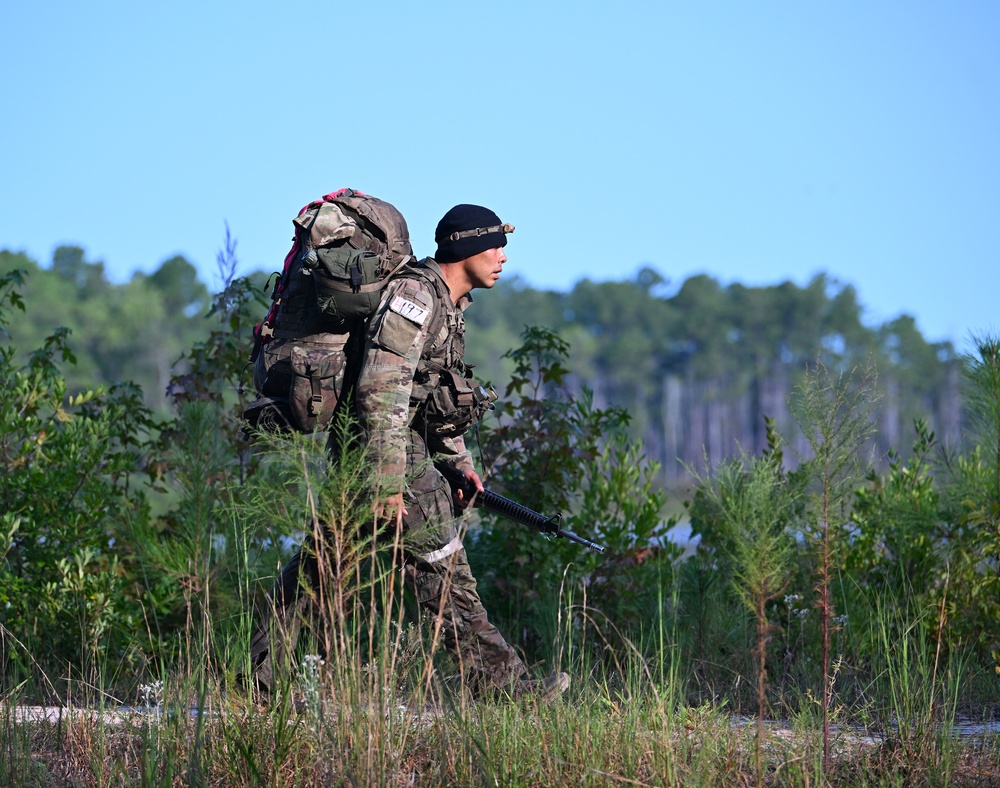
[(346, 247)]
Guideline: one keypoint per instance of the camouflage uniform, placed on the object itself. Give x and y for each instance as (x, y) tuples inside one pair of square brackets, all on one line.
[(414, 401), (416, 336)]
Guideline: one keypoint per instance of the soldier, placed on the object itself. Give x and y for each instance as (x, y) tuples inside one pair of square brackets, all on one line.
[(415, 400), (297, 324)]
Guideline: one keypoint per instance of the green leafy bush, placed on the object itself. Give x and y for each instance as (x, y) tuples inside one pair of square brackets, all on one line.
[(69, 487), (554, 451)]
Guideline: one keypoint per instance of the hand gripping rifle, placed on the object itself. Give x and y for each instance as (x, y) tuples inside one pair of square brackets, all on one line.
[(496, 503)]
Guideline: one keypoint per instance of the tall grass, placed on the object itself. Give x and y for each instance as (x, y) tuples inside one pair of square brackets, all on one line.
[(379, 709), (917, 684), (368, 697)]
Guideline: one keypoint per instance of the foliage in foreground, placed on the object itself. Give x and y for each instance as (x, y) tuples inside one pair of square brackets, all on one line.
[(143, 586), (368, 698), (579, 742), (377, 712)]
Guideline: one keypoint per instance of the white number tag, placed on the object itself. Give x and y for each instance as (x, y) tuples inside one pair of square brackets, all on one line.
[(409, 310)]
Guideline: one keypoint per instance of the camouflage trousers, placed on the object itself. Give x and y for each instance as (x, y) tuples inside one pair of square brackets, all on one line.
[(434, 565)]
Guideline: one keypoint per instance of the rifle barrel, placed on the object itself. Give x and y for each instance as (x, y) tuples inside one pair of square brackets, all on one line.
[(505, 507), (494, 502)]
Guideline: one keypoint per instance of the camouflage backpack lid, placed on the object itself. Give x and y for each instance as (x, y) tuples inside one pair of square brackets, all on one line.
[(346, 246)]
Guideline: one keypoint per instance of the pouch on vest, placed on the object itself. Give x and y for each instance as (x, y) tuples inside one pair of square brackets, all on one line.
[(456, 404), (317, 381)]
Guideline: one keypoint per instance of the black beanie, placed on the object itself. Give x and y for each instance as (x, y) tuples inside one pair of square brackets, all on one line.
[(467, 230)]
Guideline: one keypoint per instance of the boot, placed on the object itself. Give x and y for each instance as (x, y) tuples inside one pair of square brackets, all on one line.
[(543, 690)]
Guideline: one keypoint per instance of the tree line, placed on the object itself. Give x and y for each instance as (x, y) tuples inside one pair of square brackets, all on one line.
[(134, 331), (702, 370), (699, 370)]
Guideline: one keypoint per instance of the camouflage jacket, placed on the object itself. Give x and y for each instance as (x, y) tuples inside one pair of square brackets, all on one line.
[(417, 328)]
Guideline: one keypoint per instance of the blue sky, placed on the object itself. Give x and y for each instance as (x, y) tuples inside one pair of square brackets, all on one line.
[(755, 142)]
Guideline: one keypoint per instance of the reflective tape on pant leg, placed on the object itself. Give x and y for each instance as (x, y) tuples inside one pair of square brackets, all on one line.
[(449, 549)]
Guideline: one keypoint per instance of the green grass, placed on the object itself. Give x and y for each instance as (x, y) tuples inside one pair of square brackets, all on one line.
[(384, 707), (591, 737), (381, 710)]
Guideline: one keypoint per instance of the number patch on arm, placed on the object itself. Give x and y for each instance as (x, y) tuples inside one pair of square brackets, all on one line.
[(405, 315), (409, 310)]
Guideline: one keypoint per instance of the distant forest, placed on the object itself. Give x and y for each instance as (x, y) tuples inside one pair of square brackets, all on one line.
[(698, 367)]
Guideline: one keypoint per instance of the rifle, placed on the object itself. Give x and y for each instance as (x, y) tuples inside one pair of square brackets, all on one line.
[(496, 503)]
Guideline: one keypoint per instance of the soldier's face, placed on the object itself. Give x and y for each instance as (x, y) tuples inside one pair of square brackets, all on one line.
[(484, 268)]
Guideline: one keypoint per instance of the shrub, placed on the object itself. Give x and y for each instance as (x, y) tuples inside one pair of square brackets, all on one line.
[(69, 472)]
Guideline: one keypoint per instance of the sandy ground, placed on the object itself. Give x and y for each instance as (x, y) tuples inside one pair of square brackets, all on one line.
[(963, 729)]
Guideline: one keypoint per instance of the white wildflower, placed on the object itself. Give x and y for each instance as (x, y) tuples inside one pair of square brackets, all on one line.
[(151, 694)]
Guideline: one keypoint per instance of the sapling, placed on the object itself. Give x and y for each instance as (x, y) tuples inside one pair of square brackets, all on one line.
[(834, 412), (751, 499)]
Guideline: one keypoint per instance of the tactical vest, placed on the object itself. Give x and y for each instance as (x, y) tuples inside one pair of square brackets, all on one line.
[(445, 400), (446, 332)]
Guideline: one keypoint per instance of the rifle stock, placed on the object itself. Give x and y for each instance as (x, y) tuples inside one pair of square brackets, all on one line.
[(512, 510)]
